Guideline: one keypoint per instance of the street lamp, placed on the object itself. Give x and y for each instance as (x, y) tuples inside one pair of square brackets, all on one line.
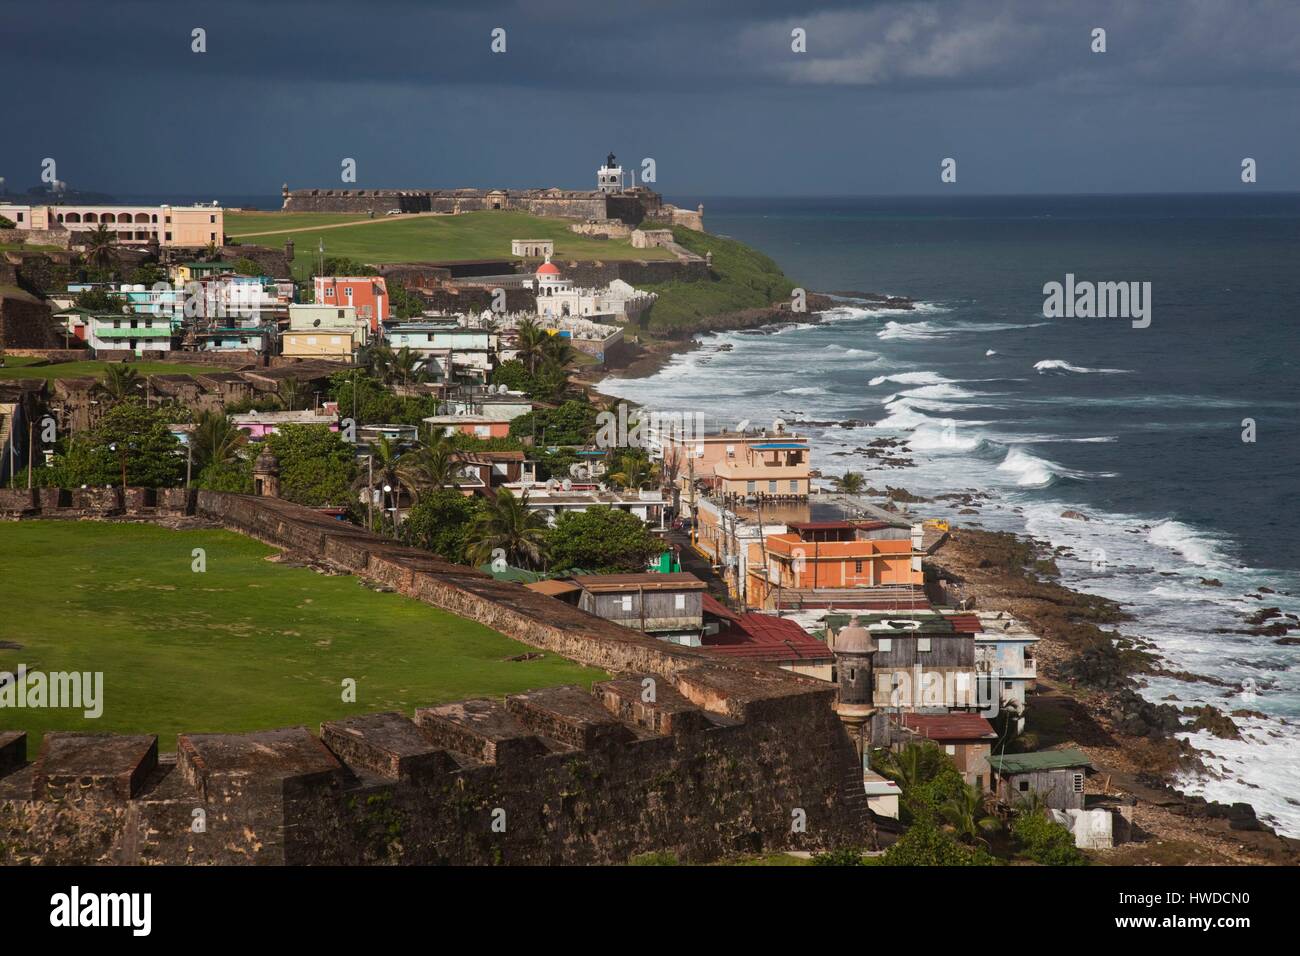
[(120, 449)]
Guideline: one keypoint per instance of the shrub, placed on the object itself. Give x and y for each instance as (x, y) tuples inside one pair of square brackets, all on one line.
[(1045, 841), (924, 844)]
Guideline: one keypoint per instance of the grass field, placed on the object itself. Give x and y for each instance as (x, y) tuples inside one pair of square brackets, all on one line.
[(20, 367), (248, 644), (475, 235)]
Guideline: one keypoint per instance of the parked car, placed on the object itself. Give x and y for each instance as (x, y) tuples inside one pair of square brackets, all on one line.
[(393, 212)]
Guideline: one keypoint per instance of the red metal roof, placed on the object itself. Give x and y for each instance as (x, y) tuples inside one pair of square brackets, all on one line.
[(955, 726), (764, 637), (965, 623), (715, 607)]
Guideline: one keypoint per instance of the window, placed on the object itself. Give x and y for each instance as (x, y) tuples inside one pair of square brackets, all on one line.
[(311, 340), (335, 339), (485, 431), (627, 602), (20, 217), (329, 293), (751, 486), (979, 781), (342, 314), (731, 451), (681, 602), (884, 643), (771, 487), (857, 567), (794, 487), (213, 235), (1023, 786), (922, 643), (1006, 685), (169, 236), (950, 749), (1078, 783)]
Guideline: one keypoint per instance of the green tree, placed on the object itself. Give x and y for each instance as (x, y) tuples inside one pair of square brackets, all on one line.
[(925, 844), (120, 382), (1045, 841), (602, 540), (514, 375), (530, 340), (97, 300), (127, 434), (7, 223), (99, 247), (430, 467), (215, 441), (506, 526), (234, 476), (635, 470), (247, 267), (317, 467), (965, 812), (850, 483), (146, 274), (440, 522), (573, 423)]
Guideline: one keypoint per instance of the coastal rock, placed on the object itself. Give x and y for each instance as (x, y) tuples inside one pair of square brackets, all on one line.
[(1214, 721), (1075, 515), (1212, 582)]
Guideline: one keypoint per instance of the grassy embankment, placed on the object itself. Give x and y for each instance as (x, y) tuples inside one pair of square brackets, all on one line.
[(742, 278), (475, 235), (248, 644), (21, 367)]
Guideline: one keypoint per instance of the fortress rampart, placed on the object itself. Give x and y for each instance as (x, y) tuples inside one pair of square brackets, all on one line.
[(679, 752)]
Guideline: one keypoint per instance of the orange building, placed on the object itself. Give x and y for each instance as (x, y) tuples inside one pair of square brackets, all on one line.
[(367, 294), (749, 464), (824, 556)]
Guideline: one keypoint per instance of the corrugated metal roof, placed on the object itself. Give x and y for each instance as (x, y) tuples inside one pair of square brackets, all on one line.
[(954, 726), (715, 607), (650, 581), (767, 638), (1039, 760)]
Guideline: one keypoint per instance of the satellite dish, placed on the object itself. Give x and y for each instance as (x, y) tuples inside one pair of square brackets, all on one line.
[(778, 426), (567, 485), (742, 426), (315, 322), (550, 484)]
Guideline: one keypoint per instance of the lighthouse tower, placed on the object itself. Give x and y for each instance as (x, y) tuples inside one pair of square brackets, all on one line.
[(609, 178)]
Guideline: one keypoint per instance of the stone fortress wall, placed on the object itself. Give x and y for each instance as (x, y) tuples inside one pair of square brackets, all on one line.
[(724, 756)]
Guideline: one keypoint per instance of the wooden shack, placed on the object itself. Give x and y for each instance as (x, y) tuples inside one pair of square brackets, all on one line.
[(1057, 775)]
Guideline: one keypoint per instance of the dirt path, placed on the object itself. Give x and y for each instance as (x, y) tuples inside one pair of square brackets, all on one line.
[(337, 225)]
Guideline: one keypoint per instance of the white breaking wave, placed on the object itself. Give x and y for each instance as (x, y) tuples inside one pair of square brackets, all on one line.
[(804, 390), (1060, 365), (1192, 545), (1029, 470), (910, 378)]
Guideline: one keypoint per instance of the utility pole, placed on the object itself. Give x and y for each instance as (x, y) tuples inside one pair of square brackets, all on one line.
[(370, 490), (31, 427)]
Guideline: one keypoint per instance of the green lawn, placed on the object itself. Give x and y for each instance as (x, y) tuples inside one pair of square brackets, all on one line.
[(18, 367), (239, 223), (249, 644), (475, 235)]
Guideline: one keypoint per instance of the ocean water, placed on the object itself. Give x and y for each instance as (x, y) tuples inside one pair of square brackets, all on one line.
[(1139, 429)]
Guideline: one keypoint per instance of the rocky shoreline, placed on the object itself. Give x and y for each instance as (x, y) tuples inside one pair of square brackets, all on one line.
[(1088, 676)]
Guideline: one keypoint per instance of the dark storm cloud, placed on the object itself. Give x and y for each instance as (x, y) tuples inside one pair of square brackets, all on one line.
[(711, 90)]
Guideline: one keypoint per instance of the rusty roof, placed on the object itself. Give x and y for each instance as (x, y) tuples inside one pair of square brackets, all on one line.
[(650, 581), (954, 726)]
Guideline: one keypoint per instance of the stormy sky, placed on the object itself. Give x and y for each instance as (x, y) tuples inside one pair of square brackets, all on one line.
[(710, 89)]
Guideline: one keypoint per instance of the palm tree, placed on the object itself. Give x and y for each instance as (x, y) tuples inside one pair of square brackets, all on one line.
[(906, 767), (120, 381), (557, 351), (384, 468), (379, 361), (216, 441), (406, 366), (850, 483), (291, 393), (635, 471), (550, 383), (506, 527), (965, 812), (99, 247), (428, 467), (531, 340)]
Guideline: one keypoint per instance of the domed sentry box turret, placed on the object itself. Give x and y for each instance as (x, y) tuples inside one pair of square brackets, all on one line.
[(855, 651), (266, 475)]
